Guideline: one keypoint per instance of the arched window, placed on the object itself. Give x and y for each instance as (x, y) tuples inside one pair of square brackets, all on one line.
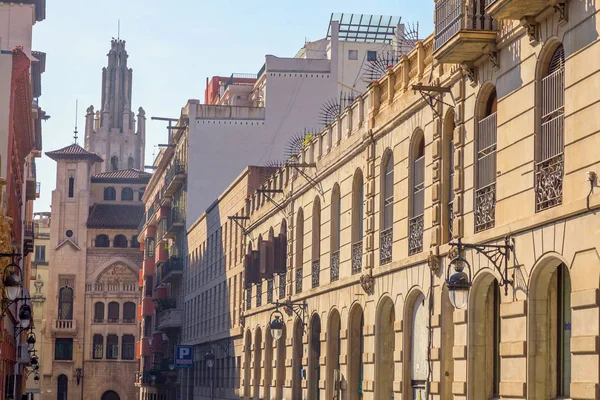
[(128, 347), (316, 242), (247, 362), (113, 311), (299, 250), (258, 343), (65, 303), (110, 193), (448, 176), (297, 354), (386, 238), (62, 387), (130, 162), (101, 241), (112, 347), (485, 191), (127, 194), (71, 186), (99, 312), (358, 195), (129, 312), (98, 346), (334, 351), (415, 223), (550, 167), (114, 163), (314, 355), (336, 223), (120, 241), (484, 339)]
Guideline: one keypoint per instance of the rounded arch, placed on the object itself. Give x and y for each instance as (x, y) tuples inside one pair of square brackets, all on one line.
[(268, 362), (101, 240), (484, 337), (547, 51), (447, 209), (316, 229), (120, 241), (99, 311), (385, 345), (129, 309), (356, 322), (297, 354), (334, 348), (257, 362), (62, 387), (299, 250), (414, 350), (358, 194), (127, 194), (281, 356), (417, 144), (110, 193), (247, 362), (113, 311), (112, 386), (110, 395), (549, 310), (114, 261), (314, 354)]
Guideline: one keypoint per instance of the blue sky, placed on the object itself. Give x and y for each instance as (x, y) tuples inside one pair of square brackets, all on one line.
[(173, 47)]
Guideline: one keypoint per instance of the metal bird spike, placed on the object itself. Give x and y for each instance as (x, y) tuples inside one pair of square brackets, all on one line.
[(374, 70), (332, 108), (405, 40), (270, 168), (294, 145)]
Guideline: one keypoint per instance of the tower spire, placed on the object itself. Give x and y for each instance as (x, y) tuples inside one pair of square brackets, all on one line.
[(118, 29), (75, 131)]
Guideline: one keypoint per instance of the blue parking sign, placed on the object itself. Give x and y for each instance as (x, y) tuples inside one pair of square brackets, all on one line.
[(184, 356)]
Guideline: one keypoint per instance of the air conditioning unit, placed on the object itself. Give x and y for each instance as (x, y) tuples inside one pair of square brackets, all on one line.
[(23, 356)]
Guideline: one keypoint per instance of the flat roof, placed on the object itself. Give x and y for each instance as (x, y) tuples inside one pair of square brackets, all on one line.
[(365, 28)]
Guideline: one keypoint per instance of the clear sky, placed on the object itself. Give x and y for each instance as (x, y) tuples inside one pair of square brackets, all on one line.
[(173, 47)]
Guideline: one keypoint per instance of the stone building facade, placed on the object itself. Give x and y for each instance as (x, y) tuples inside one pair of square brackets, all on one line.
[(484, 131), (90, 324)]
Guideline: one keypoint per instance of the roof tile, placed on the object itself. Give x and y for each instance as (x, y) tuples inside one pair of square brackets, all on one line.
[(73, 151), (115, 216), (130, 173)]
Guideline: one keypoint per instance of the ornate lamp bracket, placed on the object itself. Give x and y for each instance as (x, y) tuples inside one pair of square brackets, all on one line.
[(298, 308), (498, 255)]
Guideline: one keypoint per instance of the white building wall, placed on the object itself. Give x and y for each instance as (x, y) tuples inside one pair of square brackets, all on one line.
[(16, 22)]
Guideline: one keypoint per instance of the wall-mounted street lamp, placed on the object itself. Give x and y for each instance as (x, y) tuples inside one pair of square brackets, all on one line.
[(30, 341), (460, 281), (78, 375), (276, 317)]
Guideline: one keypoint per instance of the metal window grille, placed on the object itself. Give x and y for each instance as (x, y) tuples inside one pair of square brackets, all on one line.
[(357, 252), (335, 266), (316, 271), (385, 246), (282, 286), (485, 194), (299, 276)]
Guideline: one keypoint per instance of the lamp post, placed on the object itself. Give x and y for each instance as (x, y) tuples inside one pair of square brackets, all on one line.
[(209, 358), (460, 281), (290, 307)]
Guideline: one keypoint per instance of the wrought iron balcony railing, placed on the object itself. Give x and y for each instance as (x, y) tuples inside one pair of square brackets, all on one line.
[(316, 272), (386, 241), (549, 183), (335, 266), (357, 253), (485, 207), (415, 235), (299, 277)]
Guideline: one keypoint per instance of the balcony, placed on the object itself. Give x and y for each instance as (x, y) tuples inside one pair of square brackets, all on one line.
[(170, 319), (143, 379), (147, 306), (29, 229), (64, 327), (145, 350), (175, 221), (462, 32), (171, 269), (514, 9), (30, 183), (174, 177), (385, 246)]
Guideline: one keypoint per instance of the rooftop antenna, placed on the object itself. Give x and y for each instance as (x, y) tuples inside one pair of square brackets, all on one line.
[(118, 29), (75, 131)]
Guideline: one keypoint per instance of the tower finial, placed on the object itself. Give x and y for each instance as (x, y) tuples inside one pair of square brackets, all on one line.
[(118, 29), (75, 131)]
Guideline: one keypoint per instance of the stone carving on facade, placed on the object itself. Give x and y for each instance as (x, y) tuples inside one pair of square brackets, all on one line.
[(532, 29), (434, 263), (560, 9), (469, 72), (367, 282)]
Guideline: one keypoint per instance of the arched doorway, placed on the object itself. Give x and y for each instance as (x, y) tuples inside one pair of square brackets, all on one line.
[(280, 364), (355, 350), (314, 368), (247, 355), (268, 364), (297, 361), (257, 363), (385, 340), (110, 395), (333, 352), (62, 387)]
